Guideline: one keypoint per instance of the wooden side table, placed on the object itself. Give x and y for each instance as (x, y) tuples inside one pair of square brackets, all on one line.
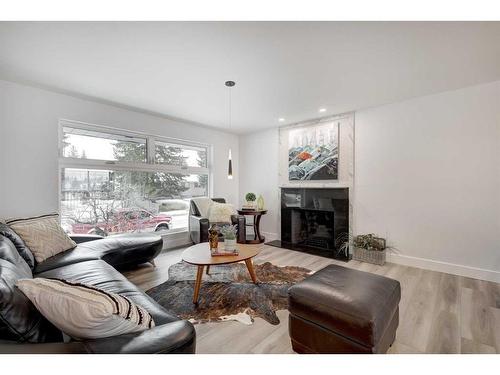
[(257, 214)]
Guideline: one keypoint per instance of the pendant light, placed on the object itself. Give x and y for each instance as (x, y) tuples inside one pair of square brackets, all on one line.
[(230, 84)]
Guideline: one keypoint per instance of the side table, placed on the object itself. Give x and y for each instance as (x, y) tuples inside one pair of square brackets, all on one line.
[(257, 214)]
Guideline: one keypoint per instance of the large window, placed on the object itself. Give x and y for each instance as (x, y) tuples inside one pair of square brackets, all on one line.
[(114, 181)]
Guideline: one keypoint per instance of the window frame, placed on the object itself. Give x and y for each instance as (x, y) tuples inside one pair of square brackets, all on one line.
[(149, 165)]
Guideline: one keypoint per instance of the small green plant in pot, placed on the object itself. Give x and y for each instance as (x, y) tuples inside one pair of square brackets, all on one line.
[(229, 233), (250, 198), (369, 248)]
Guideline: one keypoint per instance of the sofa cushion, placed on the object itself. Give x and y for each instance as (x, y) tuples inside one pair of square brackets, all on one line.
[(120, 251), (101, 275), (19, 319), (83, 311), (220, 212), (202, 204), (43, 235), (21, 247)]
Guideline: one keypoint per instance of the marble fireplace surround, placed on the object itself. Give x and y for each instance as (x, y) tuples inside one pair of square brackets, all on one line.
[(346, 161)]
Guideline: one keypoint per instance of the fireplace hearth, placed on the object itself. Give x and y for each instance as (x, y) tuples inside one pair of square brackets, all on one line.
[(315, 220)]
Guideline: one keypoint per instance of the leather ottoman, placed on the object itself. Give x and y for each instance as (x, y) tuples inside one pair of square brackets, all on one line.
[(341, 310)]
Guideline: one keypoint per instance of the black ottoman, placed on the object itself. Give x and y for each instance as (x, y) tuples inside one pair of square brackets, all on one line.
[(341, 310)]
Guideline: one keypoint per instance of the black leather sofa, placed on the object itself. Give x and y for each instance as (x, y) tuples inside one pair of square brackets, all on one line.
[(199, 225), (94, 261)]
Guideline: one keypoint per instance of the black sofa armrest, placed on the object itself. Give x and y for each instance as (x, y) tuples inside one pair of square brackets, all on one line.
[(240, 222), (81, 238), (120, 251), (176, 337), (198, 228)]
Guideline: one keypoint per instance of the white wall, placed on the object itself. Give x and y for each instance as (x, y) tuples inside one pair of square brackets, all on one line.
[(29, 144), (427, 177), (427, 170), (259, 174)]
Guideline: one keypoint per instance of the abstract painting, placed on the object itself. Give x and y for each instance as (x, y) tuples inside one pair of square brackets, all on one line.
[(313, 152)]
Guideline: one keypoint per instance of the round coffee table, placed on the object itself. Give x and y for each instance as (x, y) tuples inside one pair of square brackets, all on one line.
[(199, 255)]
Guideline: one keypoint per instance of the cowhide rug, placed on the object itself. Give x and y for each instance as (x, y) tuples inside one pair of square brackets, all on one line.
[(228, 293)]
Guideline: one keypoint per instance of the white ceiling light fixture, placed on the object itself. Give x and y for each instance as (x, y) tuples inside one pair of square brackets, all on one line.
[(322, 110), (230, 84), (281, 119)]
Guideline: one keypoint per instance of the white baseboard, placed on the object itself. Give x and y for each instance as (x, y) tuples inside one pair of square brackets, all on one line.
[(270, 236), (454, 269)]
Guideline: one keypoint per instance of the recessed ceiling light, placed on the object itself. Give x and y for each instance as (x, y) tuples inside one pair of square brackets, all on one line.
[(321, 110), (281, 119)]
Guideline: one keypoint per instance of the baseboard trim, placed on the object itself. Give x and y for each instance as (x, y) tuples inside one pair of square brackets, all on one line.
[(454, 269), (270, 236)]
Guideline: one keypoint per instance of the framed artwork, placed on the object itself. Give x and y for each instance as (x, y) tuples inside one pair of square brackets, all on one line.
[(313, 152)]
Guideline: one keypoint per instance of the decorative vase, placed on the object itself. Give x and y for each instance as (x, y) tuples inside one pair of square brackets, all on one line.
[(229, 245), (260, 203), (213, 238)]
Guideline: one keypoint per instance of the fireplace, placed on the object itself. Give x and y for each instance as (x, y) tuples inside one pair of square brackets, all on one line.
[(315, 220)]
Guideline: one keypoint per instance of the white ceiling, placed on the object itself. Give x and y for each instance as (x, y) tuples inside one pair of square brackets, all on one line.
[(282, 69)]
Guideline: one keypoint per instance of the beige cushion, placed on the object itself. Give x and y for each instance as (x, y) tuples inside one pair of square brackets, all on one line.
[(83, 311), (43, 235), (203, 204), (220, 212)]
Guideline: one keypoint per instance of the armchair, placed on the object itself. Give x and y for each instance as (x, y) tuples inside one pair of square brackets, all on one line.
[(199, 224)]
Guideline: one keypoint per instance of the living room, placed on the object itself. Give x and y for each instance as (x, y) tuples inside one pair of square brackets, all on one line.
[(229, 187)]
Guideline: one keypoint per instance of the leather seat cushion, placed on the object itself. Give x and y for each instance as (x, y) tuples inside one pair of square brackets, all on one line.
[(119, 251), (20, 321), (100, 274), (354, 304)]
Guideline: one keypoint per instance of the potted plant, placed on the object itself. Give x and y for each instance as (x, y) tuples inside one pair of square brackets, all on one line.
[(369, 248), (342, 244), (229, 233), (250, 198)]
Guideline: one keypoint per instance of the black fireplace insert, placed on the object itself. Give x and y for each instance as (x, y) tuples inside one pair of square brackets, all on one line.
[(315, 220)]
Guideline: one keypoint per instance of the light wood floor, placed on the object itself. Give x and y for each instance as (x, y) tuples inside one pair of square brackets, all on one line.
[(439, 313)]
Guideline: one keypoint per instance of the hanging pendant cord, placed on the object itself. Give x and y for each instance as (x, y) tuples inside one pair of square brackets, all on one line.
[(230, 108)]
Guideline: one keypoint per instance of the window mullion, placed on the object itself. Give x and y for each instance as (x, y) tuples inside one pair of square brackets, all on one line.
[(124, 166), (151, 149)]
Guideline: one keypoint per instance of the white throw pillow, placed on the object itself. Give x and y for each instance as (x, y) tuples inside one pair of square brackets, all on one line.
[(220, 212), (203, 204), (43, 235), (84, 311)]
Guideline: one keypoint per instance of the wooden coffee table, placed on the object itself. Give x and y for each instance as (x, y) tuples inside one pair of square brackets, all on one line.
[(199, 255)]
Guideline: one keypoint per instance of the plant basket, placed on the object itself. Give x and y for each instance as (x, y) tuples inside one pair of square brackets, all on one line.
[(369, 256)]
